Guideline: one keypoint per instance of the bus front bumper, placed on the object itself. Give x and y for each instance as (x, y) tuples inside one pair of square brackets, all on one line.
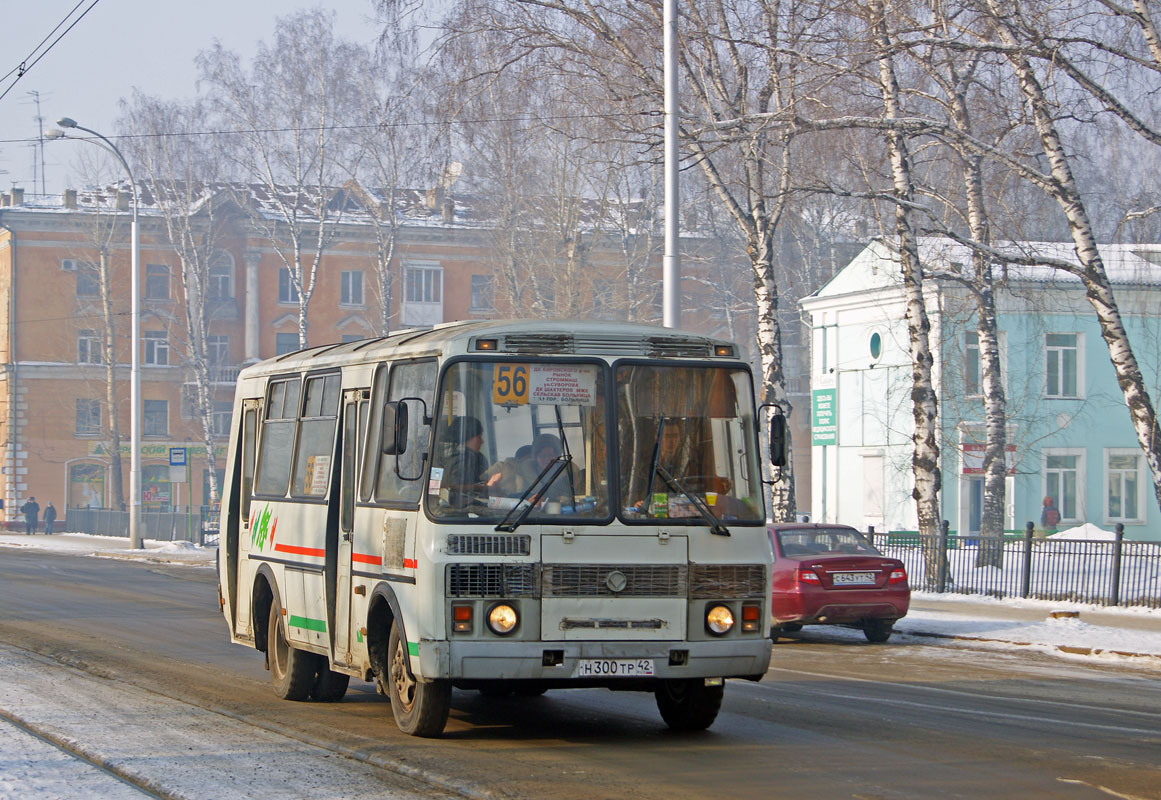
[(576, 660)]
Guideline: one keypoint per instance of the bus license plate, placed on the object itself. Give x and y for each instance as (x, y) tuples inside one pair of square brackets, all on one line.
[(613, 667), (854, 578)]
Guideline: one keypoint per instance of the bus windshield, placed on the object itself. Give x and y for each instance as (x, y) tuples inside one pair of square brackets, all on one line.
[(511, 435), (686, 434)]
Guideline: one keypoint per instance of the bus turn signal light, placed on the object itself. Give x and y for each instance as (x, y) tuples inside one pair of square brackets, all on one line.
[(750, 616), (462, 619)]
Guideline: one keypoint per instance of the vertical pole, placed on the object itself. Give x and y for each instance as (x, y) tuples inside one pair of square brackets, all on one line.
[(135, 387), (1026, 578), (1118, 544), (871, 534), (941, 582), (671, 262)]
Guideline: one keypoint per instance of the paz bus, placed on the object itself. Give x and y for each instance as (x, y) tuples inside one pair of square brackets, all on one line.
[(504, 507)]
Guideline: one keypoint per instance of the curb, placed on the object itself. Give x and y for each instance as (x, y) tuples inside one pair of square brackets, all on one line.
[(1062, 648)]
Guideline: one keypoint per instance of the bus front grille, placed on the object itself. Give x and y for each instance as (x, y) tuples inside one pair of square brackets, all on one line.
[(727, 581), (485, 544), (491, 580), (614, 580)]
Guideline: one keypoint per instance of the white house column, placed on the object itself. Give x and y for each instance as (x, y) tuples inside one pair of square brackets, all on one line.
[(252, 329)]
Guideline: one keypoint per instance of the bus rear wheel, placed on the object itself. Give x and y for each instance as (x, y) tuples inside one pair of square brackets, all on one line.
[(688, 704), (420, 707), (292, 671), (329, 686)]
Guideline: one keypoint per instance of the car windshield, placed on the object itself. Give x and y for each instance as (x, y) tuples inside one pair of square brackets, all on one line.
[(823, 542), (685, 436), (509, 434)]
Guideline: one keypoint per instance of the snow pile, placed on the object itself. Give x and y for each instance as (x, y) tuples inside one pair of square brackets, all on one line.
[(1085, 533)]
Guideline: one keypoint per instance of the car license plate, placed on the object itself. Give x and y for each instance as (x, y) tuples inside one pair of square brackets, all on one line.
[(613, 667), (854, 578)]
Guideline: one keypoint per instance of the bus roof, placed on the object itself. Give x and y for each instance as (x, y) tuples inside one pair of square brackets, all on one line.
[(515, 337)]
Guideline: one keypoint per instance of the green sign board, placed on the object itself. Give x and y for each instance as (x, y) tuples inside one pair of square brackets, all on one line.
[(823, 422)]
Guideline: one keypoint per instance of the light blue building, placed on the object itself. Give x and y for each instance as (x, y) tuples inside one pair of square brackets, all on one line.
[(1069, 434)]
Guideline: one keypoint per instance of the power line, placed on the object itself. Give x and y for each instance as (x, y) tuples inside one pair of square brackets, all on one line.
[(367, 126), (24, 66)]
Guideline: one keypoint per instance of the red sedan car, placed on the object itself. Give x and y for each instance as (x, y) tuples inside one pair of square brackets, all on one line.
[(831, 575)]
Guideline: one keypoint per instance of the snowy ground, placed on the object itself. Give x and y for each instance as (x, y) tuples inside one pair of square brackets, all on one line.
[(31, 766)]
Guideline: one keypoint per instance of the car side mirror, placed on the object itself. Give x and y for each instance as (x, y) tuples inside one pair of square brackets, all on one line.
[(393, 440)]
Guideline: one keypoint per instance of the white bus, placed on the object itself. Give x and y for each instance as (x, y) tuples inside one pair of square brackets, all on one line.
[(506, 507)]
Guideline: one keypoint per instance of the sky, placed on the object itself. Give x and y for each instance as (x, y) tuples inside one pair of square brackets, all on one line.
[(103, 718), (119, 45)]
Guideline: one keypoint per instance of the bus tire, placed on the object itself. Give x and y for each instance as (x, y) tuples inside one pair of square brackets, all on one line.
[(292, 671), (329, 686), (420, 707), (688, 704)]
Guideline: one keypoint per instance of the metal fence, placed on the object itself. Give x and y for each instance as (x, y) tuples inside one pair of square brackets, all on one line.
[(1105, 573), (194, 525)]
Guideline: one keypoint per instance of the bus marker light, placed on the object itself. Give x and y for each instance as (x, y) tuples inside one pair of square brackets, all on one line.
[(486, 344), (462, 619), (750, 614)]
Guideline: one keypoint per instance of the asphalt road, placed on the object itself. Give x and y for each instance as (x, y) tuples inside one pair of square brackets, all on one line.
[(834, 717)]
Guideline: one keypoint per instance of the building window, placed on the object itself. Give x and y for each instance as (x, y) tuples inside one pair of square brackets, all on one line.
[(221, 279), (87, 283), (286, 291), (1124, 487), (89, 347), (482, 292), (156, 282), (218, 350), (221, 419), (1061, 364), (874, 345), (1063, 482), (353, 337), (285, 343), (155, 418), (351, 293), (156, 348), (424, 284), (972, 374), (88, 416)]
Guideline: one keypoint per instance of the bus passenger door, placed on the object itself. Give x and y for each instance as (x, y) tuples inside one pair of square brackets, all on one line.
[(239, 515), (354, 410)]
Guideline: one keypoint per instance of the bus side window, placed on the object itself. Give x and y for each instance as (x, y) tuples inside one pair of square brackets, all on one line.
[(274, 451), (406, 380), (316, 436)]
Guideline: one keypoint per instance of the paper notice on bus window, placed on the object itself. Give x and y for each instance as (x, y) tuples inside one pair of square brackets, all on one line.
[(435, 481), (563, 384), (317, 469)]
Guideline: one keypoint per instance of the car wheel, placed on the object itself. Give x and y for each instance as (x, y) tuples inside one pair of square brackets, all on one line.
[(688, 704), (292, 671), (420, 707), (877, 630), (329, 686)]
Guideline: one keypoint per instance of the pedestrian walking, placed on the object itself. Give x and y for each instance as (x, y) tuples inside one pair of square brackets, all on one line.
[(1049, 516), (31, 511), (49, 518)]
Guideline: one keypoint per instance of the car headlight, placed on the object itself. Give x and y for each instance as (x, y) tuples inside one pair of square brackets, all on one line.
[(502, 619), (719, 620)]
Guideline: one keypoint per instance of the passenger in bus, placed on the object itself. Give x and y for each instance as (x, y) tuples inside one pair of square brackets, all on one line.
[(545, 448), (512, 476), (465, 466)]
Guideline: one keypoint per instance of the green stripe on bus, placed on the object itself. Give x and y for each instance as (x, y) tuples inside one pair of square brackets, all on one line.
[(413, 648), (308, 623)]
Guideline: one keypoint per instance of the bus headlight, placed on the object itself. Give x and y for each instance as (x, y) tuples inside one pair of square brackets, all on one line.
[(719, 620), (502, 619)]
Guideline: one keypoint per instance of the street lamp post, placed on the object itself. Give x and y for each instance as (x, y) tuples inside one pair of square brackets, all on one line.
[(135, 354)]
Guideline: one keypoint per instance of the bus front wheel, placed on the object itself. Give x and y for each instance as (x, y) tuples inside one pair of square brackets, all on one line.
[(292, 671), (688, 704), (420, 707)]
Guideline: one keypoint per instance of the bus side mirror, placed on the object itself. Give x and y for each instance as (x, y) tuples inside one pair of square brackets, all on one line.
[(394, 436), (778, 440)]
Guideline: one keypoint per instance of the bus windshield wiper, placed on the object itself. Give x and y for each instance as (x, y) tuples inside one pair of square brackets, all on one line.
[(525, 505), (655, 469)]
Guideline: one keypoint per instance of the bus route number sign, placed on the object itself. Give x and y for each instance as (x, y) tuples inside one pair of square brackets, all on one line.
[(510, 384)]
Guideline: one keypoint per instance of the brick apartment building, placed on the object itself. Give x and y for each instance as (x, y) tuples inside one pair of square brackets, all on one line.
[(54, 436)]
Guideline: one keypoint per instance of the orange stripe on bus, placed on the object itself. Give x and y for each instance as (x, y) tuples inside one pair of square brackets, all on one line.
[(300, 551), (410, 563), (366, 559)]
